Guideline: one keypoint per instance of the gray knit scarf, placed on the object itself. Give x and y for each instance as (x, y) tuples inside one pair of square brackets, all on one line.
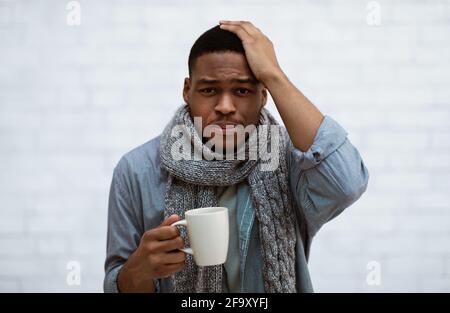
[(194, 183)]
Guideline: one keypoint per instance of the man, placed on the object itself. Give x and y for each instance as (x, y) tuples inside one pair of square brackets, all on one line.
[(273, 214)]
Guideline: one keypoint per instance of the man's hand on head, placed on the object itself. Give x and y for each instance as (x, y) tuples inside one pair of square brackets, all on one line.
[(301, 118), (259, 50)]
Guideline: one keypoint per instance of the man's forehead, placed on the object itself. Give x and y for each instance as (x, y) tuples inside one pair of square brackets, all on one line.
[(221, 57), (233, 79), (222, 65)]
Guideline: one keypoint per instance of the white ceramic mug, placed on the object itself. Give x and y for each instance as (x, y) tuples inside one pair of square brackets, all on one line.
[(208, 232)]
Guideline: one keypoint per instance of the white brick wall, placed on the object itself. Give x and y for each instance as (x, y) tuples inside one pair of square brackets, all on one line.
[(73, 99)]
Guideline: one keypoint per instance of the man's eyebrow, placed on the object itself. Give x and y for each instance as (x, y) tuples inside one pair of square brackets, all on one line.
[(243, 80)]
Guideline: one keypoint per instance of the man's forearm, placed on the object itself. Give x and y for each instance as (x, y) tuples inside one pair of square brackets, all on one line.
[(130, 280), (301, 118)]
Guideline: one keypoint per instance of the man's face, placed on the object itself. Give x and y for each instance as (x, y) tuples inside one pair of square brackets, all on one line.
[(223, 91)]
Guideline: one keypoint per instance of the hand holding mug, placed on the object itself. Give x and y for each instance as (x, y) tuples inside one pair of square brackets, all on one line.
[(157, 256)]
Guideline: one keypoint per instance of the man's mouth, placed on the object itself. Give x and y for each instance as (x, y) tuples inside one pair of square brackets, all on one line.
[(227, 127)]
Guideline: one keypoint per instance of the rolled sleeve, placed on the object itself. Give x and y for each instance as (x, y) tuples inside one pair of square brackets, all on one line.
[(330, 136), (110, 281), (327, 178)]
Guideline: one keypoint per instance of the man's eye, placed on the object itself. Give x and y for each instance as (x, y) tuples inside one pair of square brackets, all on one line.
[(207, 91), (243, 91)]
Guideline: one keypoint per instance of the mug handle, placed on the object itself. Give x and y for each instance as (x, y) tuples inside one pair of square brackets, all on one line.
[(183, 223)]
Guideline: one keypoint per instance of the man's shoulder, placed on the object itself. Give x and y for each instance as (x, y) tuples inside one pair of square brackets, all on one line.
[(142, 157)]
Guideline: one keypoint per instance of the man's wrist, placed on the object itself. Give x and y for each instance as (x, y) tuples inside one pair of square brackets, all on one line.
[(274, 78), (127, 281)]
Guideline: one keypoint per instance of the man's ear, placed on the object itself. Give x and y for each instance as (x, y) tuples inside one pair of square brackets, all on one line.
[(264, 96), (186, 88)]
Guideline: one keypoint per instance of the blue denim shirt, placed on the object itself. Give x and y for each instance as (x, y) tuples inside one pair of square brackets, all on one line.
[(325, 180)]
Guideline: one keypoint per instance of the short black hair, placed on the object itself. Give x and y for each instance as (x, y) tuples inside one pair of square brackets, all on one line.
[(214, 40)]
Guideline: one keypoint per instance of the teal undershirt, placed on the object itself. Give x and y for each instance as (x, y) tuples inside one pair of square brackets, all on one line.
[(232, 268)]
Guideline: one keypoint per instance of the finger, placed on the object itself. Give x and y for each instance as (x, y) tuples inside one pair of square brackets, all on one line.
[(170, 220), (174, 268), (246, 25), (231, 22), (238, 30), (171, 244), (165, 232), (174, 257)]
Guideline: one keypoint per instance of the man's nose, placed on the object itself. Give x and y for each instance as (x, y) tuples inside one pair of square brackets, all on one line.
[(225, 105)]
